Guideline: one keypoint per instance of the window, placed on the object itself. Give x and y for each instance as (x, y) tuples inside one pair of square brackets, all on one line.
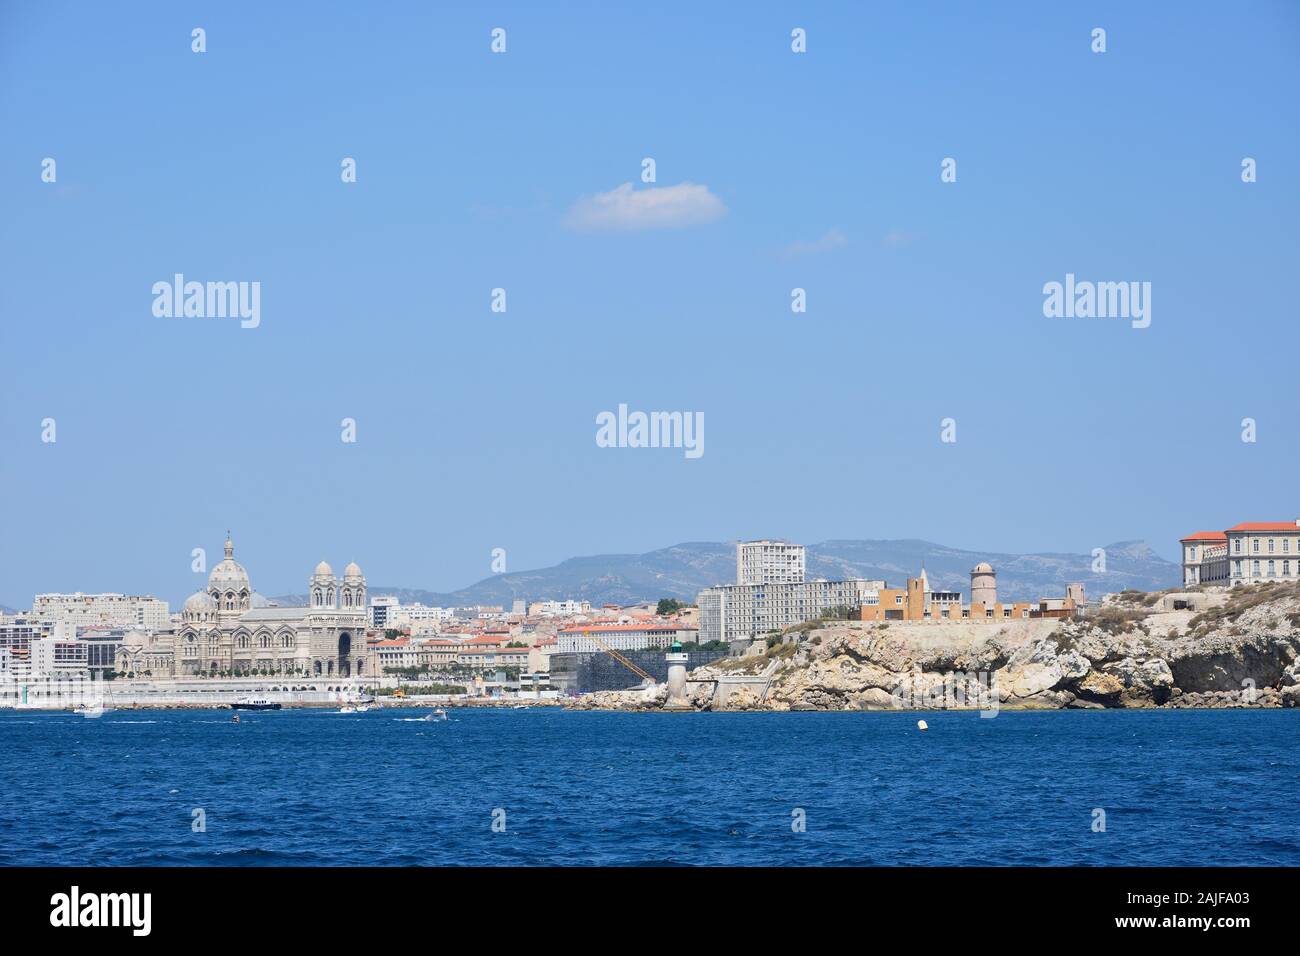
[(1236, 546), (1270, 545), (1270, 569), (1256, 567), (1254, 545)]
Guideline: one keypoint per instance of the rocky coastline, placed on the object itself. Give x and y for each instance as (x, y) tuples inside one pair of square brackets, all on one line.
[(1239, 649)]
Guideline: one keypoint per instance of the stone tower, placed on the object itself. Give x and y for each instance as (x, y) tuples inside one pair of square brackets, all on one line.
[(984, 585)]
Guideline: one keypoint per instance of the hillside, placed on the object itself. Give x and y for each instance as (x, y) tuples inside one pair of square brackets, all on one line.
[(682, 570)]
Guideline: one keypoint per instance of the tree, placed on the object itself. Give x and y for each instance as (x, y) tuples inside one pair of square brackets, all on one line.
[(668, 606)]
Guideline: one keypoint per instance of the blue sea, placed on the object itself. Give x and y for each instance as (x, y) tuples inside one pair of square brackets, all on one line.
[(321, 788)]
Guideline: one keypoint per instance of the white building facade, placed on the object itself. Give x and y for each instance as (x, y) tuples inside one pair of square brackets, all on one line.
[(1205, 558), (1259, 551), (108, 610), (770, 562), (735, 611), (228, 628)]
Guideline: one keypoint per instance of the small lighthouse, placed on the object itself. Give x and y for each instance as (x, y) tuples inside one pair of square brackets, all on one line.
[(677, 659)]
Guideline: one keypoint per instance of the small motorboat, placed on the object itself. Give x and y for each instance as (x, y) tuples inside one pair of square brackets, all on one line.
[(255, 703), (347, 709), (361, 708), (234, 719)]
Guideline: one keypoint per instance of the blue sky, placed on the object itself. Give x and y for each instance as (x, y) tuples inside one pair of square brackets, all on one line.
[(476, 430)]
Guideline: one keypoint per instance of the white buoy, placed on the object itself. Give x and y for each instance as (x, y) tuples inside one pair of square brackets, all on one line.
[(922, 725)]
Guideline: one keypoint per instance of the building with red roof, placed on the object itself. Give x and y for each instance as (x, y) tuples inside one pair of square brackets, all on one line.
[(1250, 552)]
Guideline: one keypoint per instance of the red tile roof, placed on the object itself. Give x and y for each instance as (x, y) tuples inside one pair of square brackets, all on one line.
[(1266, 526), (1207, 536)]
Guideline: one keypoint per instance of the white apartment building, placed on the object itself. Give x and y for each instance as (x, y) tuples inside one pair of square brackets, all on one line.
[(59, 657), (110, 610), (558, 608), (378, 611), (770, 562), (584, 638), (734, 611), (413, 615)]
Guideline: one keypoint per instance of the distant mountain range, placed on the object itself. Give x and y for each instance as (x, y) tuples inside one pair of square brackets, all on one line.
[(683, 570)]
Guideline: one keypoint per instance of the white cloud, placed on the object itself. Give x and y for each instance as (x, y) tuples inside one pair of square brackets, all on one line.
[(831, 239), (899, 238), (655, 207)]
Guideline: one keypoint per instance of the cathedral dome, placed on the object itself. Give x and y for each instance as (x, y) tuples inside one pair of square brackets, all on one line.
[(229, 575), (323, 570), (200, 602), (352, 571)]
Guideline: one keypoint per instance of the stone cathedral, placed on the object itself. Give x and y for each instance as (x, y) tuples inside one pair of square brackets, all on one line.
[(228, 628)]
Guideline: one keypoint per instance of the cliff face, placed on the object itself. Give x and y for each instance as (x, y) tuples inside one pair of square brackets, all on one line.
[(1243, 650)]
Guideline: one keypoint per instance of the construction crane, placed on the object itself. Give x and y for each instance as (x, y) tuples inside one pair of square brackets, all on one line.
[(620, 658)]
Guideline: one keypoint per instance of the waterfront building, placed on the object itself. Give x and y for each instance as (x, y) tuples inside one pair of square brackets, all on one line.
[(732, 611), (578, 638), (17, 633), (489, 654), (770, 562), (108, 610), (59, 657), (228, 628), (1252, 552)]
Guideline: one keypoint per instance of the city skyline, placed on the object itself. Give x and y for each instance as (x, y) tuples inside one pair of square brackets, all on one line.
[(895, 553)]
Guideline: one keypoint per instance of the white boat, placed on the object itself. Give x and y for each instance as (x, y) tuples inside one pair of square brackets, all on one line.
[(255, 703), (95, 707), (347, 709), (361, 708)]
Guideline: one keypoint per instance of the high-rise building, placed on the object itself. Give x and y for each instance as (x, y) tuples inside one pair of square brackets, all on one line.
[(770, 562), (734, 611), (380, 609), (110, 610)]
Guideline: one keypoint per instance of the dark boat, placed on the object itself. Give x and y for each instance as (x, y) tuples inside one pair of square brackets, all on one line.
[(255, 703)]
